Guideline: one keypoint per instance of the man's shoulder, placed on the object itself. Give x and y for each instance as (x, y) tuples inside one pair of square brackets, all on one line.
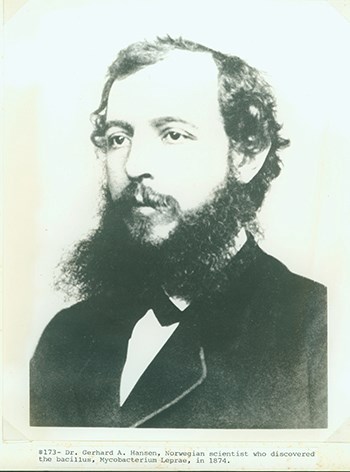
[(279, 282), (79, 326), (261, 275), (271, 300), (67, 331), (75, 317), (87, 323), (285, 302)]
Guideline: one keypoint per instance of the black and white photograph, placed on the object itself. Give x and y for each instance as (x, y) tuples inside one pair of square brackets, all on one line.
[(176, 211), (183, 321)]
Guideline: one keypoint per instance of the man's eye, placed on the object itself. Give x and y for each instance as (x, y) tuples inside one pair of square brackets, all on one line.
[(172, 137), (116, 141)]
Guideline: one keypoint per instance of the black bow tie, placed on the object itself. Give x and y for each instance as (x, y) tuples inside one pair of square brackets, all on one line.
[(166, 312)]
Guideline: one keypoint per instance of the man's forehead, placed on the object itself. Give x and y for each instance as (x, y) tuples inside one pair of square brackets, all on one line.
[(182, 77), (181, 63)]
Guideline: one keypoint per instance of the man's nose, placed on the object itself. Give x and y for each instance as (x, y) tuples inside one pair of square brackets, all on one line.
[(139, 163)]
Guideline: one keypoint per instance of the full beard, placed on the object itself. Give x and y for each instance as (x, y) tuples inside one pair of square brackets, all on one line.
[(121, 258)]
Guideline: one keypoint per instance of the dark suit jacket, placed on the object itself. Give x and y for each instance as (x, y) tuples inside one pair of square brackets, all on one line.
[(253, 356)]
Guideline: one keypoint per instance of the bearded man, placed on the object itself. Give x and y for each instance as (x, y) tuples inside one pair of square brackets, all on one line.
[(184, 322)]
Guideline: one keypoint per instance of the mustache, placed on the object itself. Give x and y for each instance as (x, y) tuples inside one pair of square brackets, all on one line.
[(137, 194)]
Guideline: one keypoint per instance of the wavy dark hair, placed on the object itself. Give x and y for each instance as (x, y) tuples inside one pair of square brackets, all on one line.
[(246, 101)]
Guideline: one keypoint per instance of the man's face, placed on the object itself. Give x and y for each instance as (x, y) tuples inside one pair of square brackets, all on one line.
[(167, 150)]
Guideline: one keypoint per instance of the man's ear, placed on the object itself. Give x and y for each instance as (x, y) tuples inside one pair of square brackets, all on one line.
[(246, 168)]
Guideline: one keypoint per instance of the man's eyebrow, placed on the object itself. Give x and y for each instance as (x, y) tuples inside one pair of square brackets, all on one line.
[(171, 119), (119, 124)]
